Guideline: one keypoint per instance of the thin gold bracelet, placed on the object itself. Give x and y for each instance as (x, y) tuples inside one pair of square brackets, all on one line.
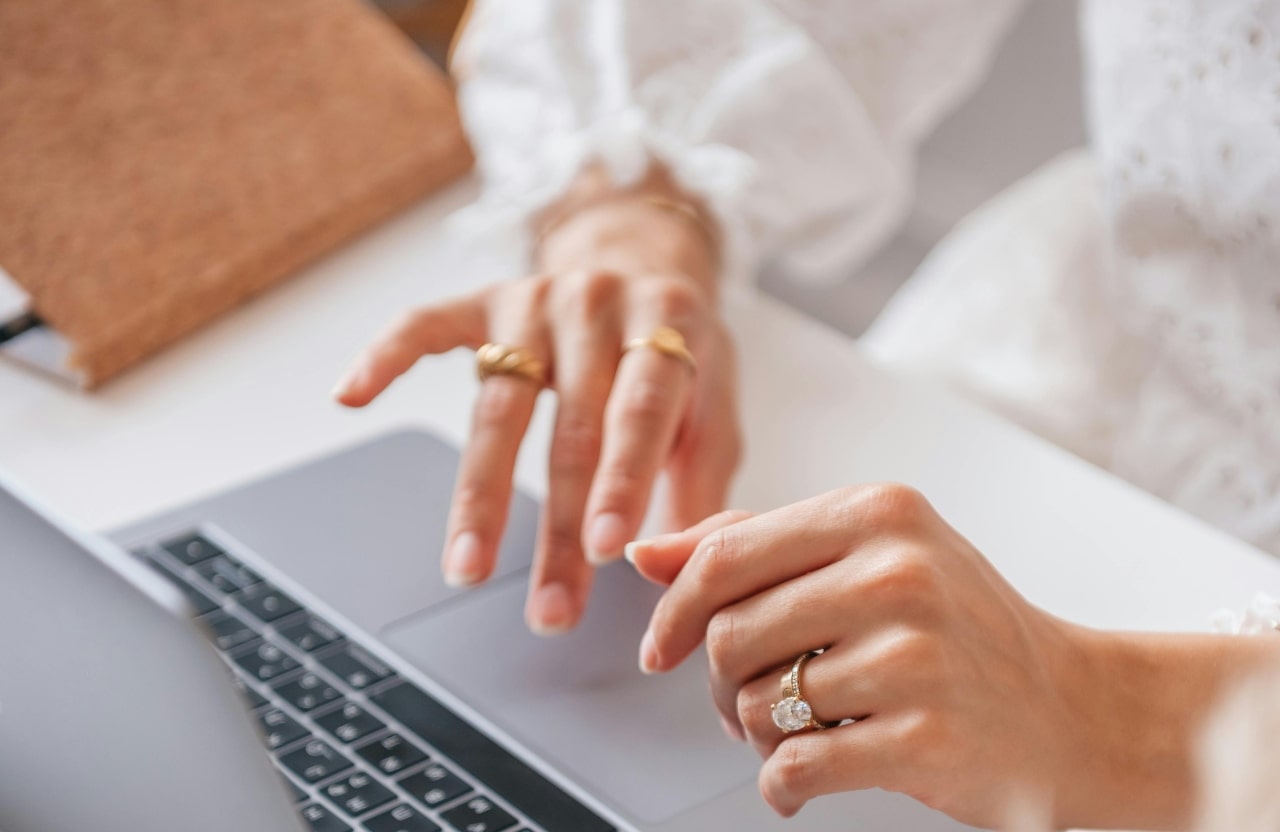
[(684, 209)]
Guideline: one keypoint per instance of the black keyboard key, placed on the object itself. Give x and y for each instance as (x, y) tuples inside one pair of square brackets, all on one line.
[(191, 548), (401, 818), (279, 729), (228, 631), (537, 798), (479, 814), (267, 602), (315, 761), (350, 722), (311, 633), (391, 753), (203, 603), (356, 666), (358, 793), (322, 820), (227, 574), (256, 700), (435, 785), (307, 692), (265, 661)]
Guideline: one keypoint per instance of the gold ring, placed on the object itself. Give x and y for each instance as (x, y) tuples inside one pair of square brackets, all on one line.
[(502, 360), (794, 713), (668, 342)]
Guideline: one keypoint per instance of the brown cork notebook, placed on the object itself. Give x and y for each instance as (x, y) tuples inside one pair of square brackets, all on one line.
[(162, 161)]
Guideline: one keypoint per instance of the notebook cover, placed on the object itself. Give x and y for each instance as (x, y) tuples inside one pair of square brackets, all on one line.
[(162, 161)]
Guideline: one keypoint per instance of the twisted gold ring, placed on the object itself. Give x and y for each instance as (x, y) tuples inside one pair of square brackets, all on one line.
[(794, 713), (502, 360), (667, 341)]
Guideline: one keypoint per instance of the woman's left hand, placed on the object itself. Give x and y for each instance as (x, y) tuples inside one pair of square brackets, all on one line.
[(959, 686)]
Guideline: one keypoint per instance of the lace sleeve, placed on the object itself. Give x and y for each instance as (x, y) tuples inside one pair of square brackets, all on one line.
[(794, 120)]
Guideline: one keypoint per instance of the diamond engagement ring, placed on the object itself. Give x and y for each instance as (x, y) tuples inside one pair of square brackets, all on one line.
[(793, 713)]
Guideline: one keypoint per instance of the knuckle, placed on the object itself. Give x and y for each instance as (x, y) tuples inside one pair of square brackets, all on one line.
[(718, 555), (909, 582), (585, 295), (756, 719), (662, 624), (620, 483), (894, 503), (913, 577), (646, 401), (793, 770), (677, 301), (722, 638), (575, 445), (470, 501), (537, 288), (745, 708), (927, 740), (912, 650)]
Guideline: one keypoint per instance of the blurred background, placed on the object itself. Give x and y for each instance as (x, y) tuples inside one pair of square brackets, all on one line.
[(1029, 110)]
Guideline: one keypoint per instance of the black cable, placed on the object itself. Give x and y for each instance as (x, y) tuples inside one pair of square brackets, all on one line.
[(23, 323)]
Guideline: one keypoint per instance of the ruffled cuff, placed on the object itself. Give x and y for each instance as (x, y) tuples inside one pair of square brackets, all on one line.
[(1262, 616), (626, 145)]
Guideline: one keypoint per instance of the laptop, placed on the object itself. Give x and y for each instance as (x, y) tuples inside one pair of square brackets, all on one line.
[(285, 656)]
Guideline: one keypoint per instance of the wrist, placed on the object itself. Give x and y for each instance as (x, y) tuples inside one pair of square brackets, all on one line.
[(650, 227), (1139, 702), (630, 236)]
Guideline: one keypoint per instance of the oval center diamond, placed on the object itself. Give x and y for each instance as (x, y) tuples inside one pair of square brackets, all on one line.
[(791, 714)]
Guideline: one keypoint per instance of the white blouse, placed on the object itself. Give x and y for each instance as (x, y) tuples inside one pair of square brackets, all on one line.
[(1124, 302)]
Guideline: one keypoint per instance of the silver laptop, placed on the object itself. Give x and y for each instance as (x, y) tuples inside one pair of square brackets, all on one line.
[(382, 699)]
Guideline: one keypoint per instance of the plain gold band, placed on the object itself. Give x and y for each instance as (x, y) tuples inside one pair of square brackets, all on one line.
[(667, 341), (502, 360)]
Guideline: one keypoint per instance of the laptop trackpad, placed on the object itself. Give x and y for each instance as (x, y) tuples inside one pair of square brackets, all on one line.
[(649, 746)]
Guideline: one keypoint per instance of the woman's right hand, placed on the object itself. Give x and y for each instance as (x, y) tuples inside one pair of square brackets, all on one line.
[(622, 417)]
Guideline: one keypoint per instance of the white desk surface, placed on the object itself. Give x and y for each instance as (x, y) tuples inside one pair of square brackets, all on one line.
[(249, 395)]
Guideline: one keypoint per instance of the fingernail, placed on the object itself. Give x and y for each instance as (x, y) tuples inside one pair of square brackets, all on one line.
[(648, 654), (606, 538), (462, 566), (732, 730), (550, 610), (344, 385), (632, 550)]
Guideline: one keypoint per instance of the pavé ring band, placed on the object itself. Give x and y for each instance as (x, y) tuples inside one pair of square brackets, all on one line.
[(793, 712)]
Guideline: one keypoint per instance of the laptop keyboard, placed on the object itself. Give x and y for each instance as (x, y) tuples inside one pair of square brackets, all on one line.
[(359, 747)]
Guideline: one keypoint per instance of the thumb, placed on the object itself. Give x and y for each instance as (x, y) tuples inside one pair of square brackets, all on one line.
[(661, 558)]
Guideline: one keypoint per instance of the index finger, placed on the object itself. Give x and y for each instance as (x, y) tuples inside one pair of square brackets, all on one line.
[(741, 560), (427, 331)]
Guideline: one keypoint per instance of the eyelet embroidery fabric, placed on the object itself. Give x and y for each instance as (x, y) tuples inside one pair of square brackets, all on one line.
[(1125, 304)]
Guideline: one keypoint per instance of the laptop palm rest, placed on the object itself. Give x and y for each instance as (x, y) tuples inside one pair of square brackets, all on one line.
[(651, 746), (360, 530)]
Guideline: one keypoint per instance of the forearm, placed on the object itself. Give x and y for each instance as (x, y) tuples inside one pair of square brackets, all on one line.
[(1143, 699), (634, 230)]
